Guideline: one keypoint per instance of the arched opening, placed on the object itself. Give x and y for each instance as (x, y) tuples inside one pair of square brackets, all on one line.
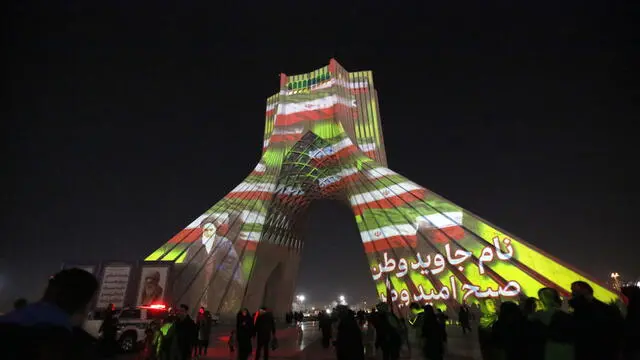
[(332, 243)]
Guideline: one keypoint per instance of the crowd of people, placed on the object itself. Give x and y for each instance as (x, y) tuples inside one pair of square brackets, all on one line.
[(541, 328), (178, 336), (531, 329)]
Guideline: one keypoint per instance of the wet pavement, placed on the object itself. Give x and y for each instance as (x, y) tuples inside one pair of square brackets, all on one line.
[(303, 344)]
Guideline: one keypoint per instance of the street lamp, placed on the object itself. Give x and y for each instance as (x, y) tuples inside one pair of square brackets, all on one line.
[(300, 299), (616, 280)]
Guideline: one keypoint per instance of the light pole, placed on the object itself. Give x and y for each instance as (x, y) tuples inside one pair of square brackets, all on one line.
[(301, 300), (616, 280)]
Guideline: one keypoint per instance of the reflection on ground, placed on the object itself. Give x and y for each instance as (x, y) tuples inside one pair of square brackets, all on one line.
[(302, 342)]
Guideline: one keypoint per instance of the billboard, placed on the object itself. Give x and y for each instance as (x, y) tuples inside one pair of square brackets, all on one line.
[(152, 288), (114, 284)]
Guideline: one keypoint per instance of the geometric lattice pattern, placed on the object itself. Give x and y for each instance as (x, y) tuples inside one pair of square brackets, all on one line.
[(323, 139)]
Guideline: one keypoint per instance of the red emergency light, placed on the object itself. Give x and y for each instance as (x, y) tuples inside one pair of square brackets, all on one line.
[(154, 307)]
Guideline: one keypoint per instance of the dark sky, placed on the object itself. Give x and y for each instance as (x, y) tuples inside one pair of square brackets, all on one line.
[(124, 122)]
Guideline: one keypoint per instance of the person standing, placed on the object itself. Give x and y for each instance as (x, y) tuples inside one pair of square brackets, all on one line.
[(551, 332), (433, 334), (186, 332), (369, 338), (349, 338), (416, 322), (203, 324), (109, 330), (442, 320), (388, 337), (167, 340), (599, 326), (265, 327), (324, 321), (463, 318), (244, 333)]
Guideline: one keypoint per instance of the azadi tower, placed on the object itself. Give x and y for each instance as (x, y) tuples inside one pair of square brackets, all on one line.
[(323, 139)]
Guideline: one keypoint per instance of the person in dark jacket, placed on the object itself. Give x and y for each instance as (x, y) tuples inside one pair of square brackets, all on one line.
[(508, 333), (388, 336), (265, 328), (325, 324), (599, 325), (203, 324), (44, 330), (186, 332), (434, 335), (244, 333), (109, 330), (442, 320), (349, 337), (463, 319)]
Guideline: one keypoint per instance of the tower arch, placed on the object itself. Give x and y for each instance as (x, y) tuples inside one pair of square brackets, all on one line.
[(323, 139)]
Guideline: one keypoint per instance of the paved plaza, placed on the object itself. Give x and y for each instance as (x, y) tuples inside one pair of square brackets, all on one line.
[(294, 345), (306, 346)]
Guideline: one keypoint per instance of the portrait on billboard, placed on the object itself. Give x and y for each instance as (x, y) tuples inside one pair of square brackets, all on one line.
[(153, 282)]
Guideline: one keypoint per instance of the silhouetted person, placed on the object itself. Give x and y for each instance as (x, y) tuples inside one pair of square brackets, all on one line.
[(433, 334), (508, 332), (167, 340), (44, 330), (631, 337), (203, 325), (369, 338), (362, 317), (442, 319), (244, 333), (599, 326), (349, 338), (529, 306), (388, 337), (417, 323), (108, 331), (19, 304), (488, 317), (550, 331), (186, 332), (324, 322), (265, 331), (463, 318)]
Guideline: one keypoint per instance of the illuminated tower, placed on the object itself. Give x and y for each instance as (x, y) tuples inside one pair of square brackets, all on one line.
[(323, 139)]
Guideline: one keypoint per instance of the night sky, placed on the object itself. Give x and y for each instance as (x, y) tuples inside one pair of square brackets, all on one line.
[(125, 122)]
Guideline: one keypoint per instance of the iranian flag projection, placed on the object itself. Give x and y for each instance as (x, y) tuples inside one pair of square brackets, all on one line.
[(323, 139)]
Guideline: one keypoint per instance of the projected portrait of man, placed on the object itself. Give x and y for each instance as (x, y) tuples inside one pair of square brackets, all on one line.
[(220, 282)]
